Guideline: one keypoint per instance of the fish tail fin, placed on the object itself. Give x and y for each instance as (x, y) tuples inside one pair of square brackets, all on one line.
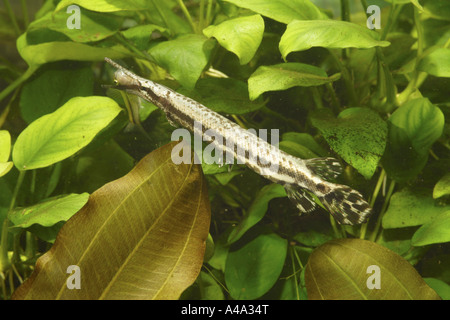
[(346, 205)]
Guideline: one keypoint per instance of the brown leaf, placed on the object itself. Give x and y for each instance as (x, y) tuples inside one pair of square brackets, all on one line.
[(139, 237)]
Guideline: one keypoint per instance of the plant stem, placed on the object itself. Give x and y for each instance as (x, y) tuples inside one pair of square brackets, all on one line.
[(208, 12), (187, 14), (17, 82), (337, 232), (26, 17), (418, 77), (373, 236), (347, 79), (376, 191), (317, 98), (291, 249), (334, 98), (161, 14), (393, 15), (201, 15), (345, 10), (4, 260), (12, 17)]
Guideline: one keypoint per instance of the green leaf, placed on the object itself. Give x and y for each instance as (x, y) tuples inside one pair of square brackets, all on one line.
[(5, 167), (286, 75), (41, 53), (105, 5), (139, 237), (5, 150), (442, 187), (408, 208), (441, 288), (141, 36), (332, 34), (253, 268), (282, 10), (50, 211), (5, 145), (95, 168), (339, 270), (257, 210), (306, 140), (436, 63), (413, 128), (358, 135), (223, 95), (57, 136), (436, 231), (297, 150), (241, 36), (94, 26), (52, 86), (185, 57), (437, 9)]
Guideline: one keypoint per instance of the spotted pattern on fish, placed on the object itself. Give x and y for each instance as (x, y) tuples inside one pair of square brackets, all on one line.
[(305, 181)]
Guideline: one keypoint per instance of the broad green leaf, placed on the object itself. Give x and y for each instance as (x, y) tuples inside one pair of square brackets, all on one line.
[(332, 34), (52, 86), (413, 128), (185, 57), (339, 270), (41, 53), (409, 208), (95, 168), (5, 167), (358, 135), (257, 210), (5, 150), (437, 9), (442, 187), (435, 231), (5, 145), (141, 35), (297, 150), (414, 2), (253, 268), (57, 136), (50, 211), (210, 289), (399, 241), (421, 121), (286, 75), (436, 63), (316, 234), (105, 5), (94, 26), (306, 140), (139, 237), (241, 36), (223, 95), (441, 288), (282, 10)]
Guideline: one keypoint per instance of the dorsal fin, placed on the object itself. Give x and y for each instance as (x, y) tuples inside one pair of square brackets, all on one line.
[(326, 168)]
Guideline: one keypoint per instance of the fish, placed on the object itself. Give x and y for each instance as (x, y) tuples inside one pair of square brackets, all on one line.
[(306, 181)]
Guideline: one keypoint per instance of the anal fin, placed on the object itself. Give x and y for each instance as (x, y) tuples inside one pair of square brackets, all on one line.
[(300, 197)]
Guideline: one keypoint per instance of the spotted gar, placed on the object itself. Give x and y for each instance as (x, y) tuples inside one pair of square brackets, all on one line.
[(306, 180)]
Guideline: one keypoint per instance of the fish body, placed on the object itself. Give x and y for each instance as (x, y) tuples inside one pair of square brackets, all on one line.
[(303, 179)]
